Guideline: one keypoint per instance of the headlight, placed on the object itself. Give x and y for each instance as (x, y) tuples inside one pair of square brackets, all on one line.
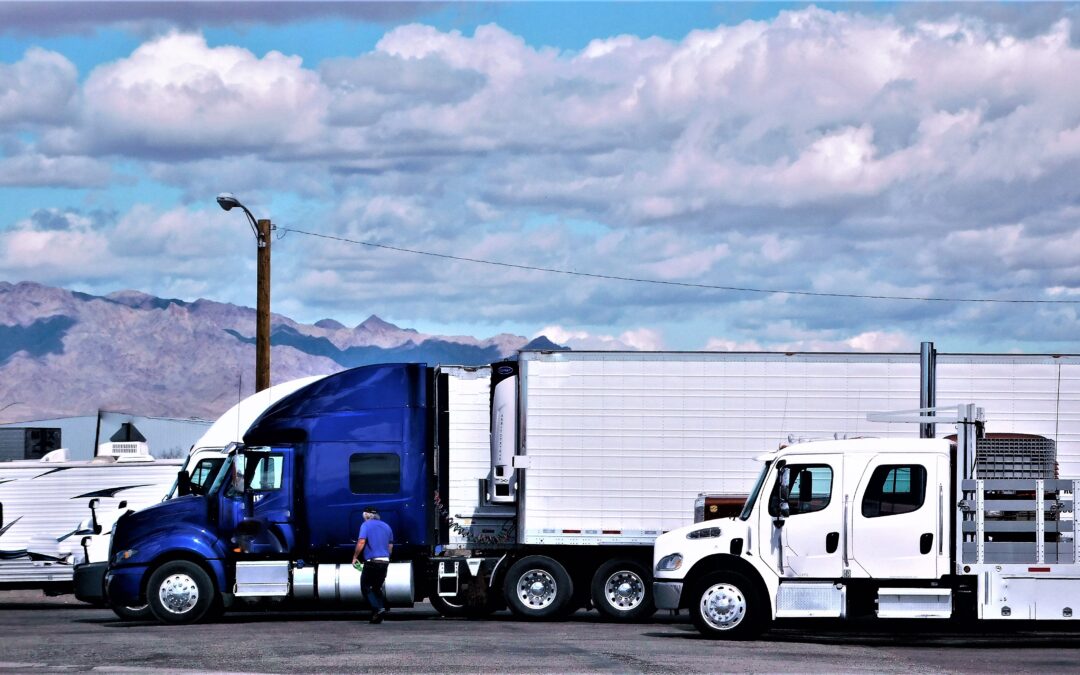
[(124, 555), (669, 563), (707, 533)]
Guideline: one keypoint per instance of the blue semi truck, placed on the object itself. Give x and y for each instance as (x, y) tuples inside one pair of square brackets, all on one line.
[(538, 484)]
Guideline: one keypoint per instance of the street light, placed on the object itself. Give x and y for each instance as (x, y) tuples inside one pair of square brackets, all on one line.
[(261, 229)]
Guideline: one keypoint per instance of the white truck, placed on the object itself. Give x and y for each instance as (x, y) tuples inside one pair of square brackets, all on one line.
[(976, 525)]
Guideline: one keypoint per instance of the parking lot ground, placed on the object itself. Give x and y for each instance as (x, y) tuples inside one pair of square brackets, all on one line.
[(40, 634)]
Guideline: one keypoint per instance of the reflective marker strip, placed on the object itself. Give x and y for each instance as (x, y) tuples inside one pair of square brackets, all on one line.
[(1038, 569)]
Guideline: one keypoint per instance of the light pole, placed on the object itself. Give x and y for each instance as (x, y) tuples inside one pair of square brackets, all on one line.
[(262, 229)]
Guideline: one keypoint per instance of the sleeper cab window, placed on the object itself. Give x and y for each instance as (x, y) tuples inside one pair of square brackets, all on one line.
[(374, 473), (894, 489), (810, 490)]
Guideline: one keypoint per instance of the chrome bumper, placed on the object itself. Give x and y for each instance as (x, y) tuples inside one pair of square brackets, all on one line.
[(666, 594)]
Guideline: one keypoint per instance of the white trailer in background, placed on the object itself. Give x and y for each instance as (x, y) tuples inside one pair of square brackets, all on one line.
[(44, 503), (204, 459), (593, 455)]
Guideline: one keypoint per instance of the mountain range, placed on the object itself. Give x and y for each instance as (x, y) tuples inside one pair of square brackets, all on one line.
[(68, 353)]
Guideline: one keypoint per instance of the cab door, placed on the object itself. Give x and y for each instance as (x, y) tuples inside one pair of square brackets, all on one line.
[(807, 541), (897, 524)]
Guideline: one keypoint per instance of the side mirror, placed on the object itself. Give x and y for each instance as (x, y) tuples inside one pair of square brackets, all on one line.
[(784, 490), (183, 483), (95, 526)]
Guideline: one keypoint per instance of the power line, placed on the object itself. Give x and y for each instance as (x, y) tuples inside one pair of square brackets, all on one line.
[(682, 284)]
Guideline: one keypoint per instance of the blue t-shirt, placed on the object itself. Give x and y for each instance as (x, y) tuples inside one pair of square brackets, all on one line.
[(379, 537)]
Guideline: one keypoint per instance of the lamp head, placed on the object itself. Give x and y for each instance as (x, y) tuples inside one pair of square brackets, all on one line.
[(226, 200)]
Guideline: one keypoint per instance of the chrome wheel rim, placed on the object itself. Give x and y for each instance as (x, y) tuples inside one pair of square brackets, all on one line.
[(624, 590), (178, 593), (723, 606), (537, 589)]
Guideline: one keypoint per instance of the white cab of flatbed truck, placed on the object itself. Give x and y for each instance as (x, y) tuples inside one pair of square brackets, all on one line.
[(891, 528)]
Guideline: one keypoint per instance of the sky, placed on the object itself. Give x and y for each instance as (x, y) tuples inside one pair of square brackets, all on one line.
[(803, 153)]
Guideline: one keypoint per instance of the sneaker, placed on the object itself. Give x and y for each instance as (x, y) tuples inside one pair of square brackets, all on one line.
[(377, 617)]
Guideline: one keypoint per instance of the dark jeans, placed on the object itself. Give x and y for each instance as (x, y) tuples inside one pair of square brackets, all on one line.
[(371, 583)]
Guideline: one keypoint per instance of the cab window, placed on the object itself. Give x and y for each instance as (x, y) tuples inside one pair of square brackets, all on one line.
[(811, 489), (894, 489)]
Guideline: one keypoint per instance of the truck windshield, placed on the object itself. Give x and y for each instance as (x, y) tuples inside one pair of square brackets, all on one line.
[(224, 474), (752, 498)]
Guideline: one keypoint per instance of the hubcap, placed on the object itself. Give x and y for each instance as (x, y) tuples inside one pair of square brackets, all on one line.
[(624, 590), (723, 606), (178, 593), (537, 589)]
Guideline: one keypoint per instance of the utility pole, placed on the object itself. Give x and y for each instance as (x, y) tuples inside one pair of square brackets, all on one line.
[(262, 309), (262, 230)]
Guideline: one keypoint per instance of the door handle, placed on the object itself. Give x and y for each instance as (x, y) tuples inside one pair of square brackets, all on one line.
[(926, 542), (832, 540)]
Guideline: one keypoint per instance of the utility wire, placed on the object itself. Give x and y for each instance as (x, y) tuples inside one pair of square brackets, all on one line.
[(682, 284)]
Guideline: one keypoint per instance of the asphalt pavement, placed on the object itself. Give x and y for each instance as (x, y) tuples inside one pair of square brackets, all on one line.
[(40, 634)]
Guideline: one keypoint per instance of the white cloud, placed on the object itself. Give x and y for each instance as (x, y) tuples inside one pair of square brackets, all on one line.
[(41, 171), (145, 249), (175, 95), (39, 89), (639, 339)]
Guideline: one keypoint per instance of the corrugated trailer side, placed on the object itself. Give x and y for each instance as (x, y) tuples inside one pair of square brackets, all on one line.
[(619, 445)]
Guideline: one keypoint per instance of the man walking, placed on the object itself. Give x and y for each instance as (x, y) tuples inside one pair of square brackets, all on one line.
[(375, 543)]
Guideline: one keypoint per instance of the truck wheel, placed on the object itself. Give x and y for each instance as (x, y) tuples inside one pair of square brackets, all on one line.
[(538, 587), (727, 606), (622, 590), (140, 613), (180, 592)]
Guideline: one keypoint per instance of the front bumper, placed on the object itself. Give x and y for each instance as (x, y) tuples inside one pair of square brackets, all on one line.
[(123, 586), (667, 594), (90, 582)]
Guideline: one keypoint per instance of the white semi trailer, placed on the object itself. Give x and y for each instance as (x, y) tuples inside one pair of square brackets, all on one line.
[(978, 526)]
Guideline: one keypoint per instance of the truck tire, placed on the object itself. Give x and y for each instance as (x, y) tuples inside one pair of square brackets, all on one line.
[(538, 587), (140, 613), (622, 590), (726, 605), (180, 592)]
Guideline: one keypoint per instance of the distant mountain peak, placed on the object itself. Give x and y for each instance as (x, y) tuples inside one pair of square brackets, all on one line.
[(542, 343), (374, 324), (329, 324)]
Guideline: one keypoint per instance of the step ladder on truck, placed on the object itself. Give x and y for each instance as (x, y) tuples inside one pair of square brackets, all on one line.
[(977, 525)]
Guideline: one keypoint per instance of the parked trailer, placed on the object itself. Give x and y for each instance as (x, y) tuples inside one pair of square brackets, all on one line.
[(978, 527), (44, 506), (590, 456)]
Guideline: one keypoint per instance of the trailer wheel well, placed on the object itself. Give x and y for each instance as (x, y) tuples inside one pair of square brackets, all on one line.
[(170, 556), (714, 563)]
